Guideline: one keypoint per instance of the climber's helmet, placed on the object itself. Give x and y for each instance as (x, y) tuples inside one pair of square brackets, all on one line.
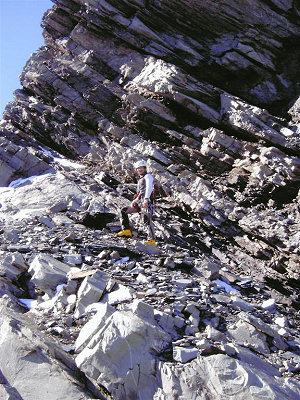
[(139, 164)]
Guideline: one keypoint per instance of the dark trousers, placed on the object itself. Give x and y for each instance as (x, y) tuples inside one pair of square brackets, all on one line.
[(147, 218)]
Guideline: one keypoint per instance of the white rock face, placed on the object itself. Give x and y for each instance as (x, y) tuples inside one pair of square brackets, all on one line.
[(47, 272), (121, 355), (44, 194), (161, 77), (246, 334), (19, 159), (93, 325), (121, 294), (220, 377), (39, 195), (28, 371), (183, 354), (253, 119), (90, 291)]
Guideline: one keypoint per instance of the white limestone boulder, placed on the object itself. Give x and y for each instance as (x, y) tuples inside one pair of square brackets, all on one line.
[(121, 355), (47, 272), (90, 291), (220, 377), (29, 369), (246, 334), (121, 294), (93, 325)]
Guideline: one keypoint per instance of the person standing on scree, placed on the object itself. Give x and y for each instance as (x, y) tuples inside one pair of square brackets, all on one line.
[(143, 201)]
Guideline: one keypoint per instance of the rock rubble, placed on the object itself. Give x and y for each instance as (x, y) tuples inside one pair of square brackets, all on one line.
[(209, 96), (129, 318)]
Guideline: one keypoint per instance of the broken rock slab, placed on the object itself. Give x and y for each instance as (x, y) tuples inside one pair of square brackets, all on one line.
[(73, 259), (239, 304), (184, 354), (90, 291), (13, 265), (120, 295), (166, 322), (246, 334), (43, 193), (94, 325), (28, 364), (182, 283), (251, 378), (47, 273), (269, 329), (208, 269), (142, 310), (121, 356)]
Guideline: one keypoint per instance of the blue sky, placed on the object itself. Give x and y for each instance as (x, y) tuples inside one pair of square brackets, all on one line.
[(20, 35)]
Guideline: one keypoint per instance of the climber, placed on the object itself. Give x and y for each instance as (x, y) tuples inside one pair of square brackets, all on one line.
[(143, 202)]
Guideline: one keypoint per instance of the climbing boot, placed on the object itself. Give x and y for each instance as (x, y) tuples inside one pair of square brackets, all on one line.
[(151, 242), (124, 233)]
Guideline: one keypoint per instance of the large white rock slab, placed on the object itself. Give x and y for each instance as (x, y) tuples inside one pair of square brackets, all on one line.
[(220, 377), (90, 291), (47, 272), (121, 356), (246, 334), (28, 370), (39, 195), (93, 325)]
